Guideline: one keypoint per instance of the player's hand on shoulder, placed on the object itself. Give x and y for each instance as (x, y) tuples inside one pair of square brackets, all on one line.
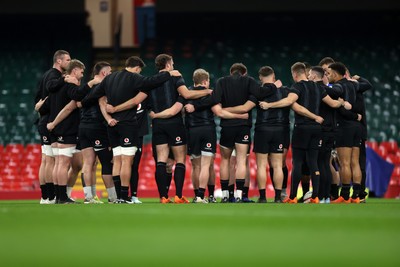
[(278, 83), (175, 73), (70, 79)]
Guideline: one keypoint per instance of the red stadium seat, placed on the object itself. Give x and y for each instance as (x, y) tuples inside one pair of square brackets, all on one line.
[(382, 151), (373, 145), (391, 146)]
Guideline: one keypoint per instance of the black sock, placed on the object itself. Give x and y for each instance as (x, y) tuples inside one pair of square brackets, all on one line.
[(262, 193), (224, 185), (83, 180), (211, 189), (161, 179), (117, 185), (305, 186), (201, 192), (239, 184), (62, 192), (57, 191), (179, 178), (345, 192), (285, 177), (334, 191), (43, 190), (124, 192), (196, 192), (356, 191), (50, 191), (168, 183), (245, 193), (231, 189), (278, 194)]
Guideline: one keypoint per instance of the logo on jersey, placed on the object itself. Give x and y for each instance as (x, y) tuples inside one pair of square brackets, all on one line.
[(44, 138), (208, 145), (97, 142), (126, 141)]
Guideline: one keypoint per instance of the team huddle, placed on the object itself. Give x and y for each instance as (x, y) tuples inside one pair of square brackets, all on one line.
[(107, 119)]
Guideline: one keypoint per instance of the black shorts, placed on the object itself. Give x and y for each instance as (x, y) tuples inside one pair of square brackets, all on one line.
[(328, 141), (123, 135), (348, 135), (307, 137), (230, 135), (95, 138), (269, 140), (67, 139), (202, 140), (44, 134), (173, 134)]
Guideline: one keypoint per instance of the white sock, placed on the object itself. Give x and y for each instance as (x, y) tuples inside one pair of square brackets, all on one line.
[(225, 193), (112, 194), (239, 193), (69, 191), (87, 190), (94, 193)]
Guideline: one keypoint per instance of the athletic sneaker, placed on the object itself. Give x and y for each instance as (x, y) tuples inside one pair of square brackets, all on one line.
[(355, 200), (278, 200), (312, 201), (136, 200), (68, 201), (92, 201), (98, 201), (290, 201), (225, 200), (181, 200), (200, 200), (340, 200), (44, 201), (164, 200), (232, 200), (247, 200), (262, 200), (212, 199), (53, 201), (123, 201)]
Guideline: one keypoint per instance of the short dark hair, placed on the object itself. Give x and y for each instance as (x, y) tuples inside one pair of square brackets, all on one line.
[(98, 66), (134, 61), (308, 65), (326, 61), (319, 71), (338, 67), (200, 75), (238, 68), (59, 54), (162, 60), (265, 71), (298, 68), (74, 63)]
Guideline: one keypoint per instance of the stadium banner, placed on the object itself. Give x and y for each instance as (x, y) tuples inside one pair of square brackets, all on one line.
[(378, 172)]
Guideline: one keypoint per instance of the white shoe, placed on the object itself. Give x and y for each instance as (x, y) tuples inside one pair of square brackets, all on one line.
[(44, 201), (53, 201), (200, 200), (322, 201), (136, 200)]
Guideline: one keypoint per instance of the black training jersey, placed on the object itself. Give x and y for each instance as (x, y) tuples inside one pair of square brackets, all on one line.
[(69, 126), (348, 93), (200, 117), (273, 116), (51, 80), (327, 112), (165, 96), (123, 85), (310, 97), (359, 107), (91, 116), (235, 90)]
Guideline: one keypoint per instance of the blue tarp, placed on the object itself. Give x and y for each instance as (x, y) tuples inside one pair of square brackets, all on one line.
[(379, 172)]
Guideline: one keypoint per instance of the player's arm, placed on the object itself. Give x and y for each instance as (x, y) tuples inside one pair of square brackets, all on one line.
[(110, 120), (224, 114), (306, 113), (40, 103), (363, 84), (64, 113), (336, 103), (129, 104), (167, 113), (284, 102), (246, 107), (192, 94)]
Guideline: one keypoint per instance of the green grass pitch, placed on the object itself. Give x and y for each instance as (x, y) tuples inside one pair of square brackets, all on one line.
[(189, 235)]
